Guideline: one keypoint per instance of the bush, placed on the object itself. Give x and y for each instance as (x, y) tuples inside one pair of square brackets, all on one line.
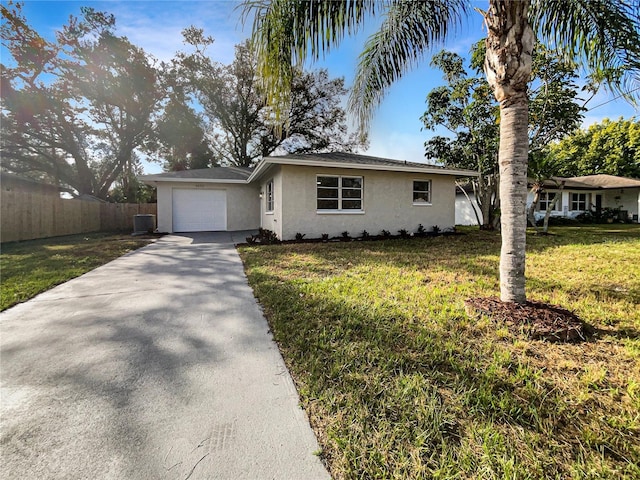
[(365, 235), (404, 233), (605, 215), (421, 232), (385, 233), (267, 236), (299, 236)]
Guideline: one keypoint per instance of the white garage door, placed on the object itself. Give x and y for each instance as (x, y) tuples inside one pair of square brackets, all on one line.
[(199, 210)]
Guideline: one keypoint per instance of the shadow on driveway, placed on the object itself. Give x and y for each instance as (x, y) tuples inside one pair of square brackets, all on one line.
[(157, 365)]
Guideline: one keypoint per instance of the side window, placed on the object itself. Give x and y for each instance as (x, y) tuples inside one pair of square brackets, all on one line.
[(546, 198), (578, 201), (269, 196), (422, 192)]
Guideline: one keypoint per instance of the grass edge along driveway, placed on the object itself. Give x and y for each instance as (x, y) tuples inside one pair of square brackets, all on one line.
[(399, 382), (31, 267)]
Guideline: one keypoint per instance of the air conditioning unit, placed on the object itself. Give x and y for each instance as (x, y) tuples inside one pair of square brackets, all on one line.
[(144, 223)]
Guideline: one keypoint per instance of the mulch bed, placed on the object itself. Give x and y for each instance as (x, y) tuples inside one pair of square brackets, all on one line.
[(536, 319)]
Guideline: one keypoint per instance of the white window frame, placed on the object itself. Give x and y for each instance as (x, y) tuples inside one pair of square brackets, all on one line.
[(414, 191), (578, 202), (340, 197), (544, 199), (269, 200)]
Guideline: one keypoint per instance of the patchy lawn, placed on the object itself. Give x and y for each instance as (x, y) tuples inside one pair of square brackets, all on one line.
[(399, 382), (31, 267)]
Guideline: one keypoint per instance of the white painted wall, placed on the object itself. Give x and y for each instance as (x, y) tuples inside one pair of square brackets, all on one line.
[(387, 203), (464, 210), (243, 211), (272, 221)]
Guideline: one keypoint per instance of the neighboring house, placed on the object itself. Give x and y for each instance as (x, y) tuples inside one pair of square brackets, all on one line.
[(11, 182), (591, 192), (309, 194)]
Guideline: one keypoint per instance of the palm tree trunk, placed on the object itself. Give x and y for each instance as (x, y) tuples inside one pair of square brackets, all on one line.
[(513, 197), (508, 68)]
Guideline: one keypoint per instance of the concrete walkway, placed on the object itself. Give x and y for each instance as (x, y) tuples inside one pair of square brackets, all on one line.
[(158, 365)]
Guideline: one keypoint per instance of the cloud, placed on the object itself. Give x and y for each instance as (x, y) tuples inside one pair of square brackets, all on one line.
[(157, 26)]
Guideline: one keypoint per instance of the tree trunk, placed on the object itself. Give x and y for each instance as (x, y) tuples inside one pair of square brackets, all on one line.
[(508, 68), (550, 207), (531, 212)]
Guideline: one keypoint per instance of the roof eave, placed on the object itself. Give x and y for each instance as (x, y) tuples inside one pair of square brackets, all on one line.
[(153, 180), (358, 166)]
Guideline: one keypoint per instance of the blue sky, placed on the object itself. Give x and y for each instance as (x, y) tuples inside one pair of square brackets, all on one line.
[(396, 127)]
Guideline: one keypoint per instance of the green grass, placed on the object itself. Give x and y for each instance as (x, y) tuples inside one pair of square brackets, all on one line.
[(400, 382), (31, 267)]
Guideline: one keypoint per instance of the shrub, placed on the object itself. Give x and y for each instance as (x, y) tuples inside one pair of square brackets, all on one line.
[(365, 235), (267, 237), (404, 233), (421, 232), (435, 229), (325, 237), (299, 236), (345, 236), (385, 233)]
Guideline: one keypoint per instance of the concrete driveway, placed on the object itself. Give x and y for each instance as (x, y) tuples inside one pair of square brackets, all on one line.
[(158, 365)]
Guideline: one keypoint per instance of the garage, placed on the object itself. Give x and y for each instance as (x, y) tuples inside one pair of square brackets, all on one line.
[(199, 210)]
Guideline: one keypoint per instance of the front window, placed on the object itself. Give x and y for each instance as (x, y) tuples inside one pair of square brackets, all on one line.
[(421, 192), (546, 199), (269, 196), (339, 193), (579, 202)]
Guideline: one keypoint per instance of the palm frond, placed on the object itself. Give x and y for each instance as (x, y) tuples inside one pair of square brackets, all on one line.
[(285, 32), (602, 35), (409, 30)]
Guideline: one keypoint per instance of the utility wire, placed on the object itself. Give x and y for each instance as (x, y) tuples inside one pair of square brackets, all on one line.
[(613, 99)]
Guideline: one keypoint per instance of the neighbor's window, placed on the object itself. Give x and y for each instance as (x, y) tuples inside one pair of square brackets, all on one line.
[(579, 201), (339, 193), (421, 192), (546, 198), (269, 196)]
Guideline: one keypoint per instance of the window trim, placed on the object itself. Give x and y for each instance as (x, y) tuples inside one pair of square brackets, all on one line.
[(578, 202), (269, 197), (430, 191), (546, 200), (340, 198)]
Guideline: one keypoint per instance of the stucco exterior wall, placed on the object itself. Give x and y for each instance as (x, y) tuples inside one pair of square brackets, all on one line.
[(272, 220), (243, 210), (387, 203)]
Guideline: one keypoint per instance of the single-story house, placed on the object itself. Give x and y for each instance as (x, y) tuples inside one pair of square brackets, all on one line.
[(15, 183), (313, 194), (580, 194)]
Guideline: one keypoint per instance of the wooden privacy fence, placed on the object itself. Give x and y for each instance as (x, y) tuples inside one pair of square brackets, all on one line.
[(26, 216)]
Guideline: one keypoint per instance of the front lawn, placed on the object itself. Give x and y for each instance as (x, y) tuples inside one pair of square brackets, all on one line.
[(400, 382), (31, 267)]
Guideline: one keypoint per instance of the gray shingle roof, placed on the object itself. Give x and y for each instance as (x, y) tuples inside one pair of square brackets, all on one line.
[(215, 173), (357, 159), (591, 182)]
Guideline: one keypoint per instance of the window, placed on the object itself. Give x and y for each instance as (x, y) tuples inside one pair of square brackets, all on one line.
[(579, 201), (546, 198), (422, 192), (339, 193), (269, 196)]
